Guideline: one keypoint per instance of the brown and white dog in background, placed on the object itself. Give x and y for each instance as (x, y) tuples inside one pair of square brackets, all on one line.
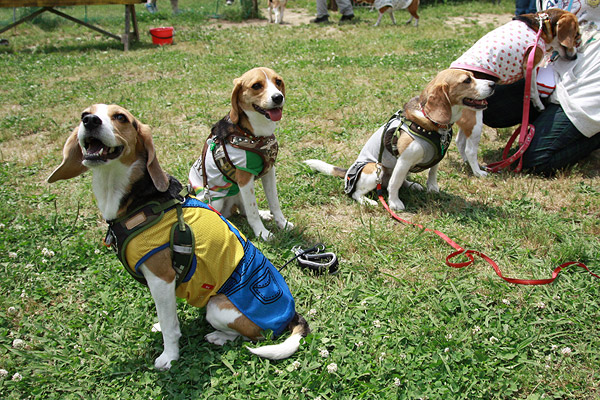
[(389, 6), (257, 102), (277, 6), (435, 110), (490, 58), (119, 151)]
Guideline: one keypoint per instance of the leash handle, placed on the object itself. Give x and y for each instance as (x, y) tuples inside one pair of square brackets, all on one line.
[(469, 254)]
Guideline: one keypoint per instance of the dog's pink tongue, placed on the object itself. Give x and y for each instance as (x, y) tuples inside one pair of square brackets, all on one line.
[(275, 114)]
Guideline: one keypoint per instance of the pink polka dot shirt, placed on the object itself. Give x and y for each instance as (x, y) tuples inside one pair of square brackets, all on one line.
[(501, 52)]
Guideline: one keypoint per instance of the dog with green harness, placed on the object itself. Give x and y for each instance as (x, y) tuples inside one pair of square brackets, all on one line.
[(413, 140), (242, 148)]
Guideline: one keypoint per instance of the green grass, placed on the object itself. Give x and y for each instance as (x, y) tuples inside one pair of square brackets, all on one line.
[(396, 321)]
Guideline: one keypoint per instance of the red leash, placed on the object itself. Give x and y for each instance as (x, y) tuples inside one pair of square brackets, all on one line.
[(470, 253), (526, 130)]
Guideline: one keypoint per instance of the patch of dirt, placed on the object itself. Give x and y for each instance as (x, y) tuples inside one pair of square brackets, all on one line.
[(290, 18), (480, 19)]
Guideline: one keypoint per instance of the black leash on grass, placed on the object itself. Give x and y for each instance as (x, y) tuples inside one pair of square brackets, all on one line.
[(315, 259)]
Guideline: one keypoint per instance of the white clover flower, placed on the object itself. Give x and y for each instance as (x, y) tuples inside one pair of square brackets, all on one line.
[(278, 371), (3, 373), (494, 339), (311, 312), (448, 336), (11, 310), (47, 253), (17, 377), (397, 382), (476, 329), (381, 356), (303, 390), (331, 368), (12, 254), (324, 353), (553, 347), (566, 351), (363, 303), (377, 323), (97, 251), (359, 344), (506, 301), (541, 305), (2, 226), (557, 297), (296, 364), (18, 343), (403, 356), (447, 349)]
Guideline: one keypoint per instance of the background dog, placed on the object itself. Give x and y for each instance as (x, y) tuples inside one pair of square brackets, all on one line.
[(277, 6), (502, 55), (435, 110), (389, 6), (242, 146), (128, 182)]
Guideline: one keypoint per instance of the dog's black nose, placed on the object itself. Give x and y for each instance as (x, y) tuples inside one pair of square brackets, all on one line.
[(91, 121), (277, 98)]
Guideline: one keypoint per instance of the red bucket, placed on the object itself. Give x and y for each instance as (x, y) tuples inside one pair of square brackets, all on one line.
[(162, 36)]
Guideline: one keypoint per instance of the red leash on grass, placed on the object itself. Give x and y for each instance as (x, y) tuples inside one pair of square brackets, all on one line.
[(471, 253)]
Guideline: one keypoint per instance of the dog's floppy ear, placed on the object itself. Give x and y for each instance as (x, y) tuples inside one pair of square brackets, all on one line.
[(566, 30), (157, 174), (437, 106), (71, 165), (234, 114)]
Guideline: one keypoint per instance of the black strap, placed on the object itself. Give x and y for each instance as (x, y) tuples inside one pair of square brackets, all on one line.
[(314, 260)]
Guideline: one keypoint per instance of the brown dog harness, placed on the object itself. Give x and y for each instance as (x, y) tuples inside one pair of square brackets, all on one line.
[(226, 132)]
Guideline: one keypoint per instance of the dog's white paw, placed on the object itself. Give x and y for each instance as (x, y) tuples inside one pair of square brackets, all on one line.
[(413, 185), (163, 362), (397, 205), (433, 189), (265, 235), (479, 173), (285, 224), (219, 338), (367, 202), (265, 215)]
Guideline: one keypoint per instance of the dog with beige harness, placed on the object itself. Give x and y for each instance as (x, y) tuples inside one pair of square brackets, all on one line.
[(241, 148), (502, 56), (174, 243), (414, 139)]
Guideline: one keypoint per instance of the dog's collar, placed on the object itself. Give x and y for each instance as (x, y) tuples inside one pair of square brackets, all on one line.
[(439, 126)]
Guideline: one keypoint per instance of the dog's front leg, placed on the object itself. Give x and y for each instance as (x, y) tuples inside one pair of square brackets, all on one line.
[(397, 179), (535, 94), (163, 294), (269, 182), (432, 185), (248, 196)]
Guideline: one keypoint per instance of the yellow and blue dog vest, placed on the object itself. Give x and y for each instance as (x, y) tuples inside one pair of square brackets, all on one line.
[(224, 262)]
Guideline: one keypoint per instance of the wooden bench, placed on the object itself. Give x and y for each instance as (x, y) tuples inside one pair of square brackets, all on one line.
[(48, 5)]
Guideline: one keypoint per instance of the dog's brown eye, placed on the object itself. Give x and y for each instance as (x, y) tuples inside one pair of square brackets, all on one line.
[(468, 80), (257, 86), (121, 118), (278, 82)]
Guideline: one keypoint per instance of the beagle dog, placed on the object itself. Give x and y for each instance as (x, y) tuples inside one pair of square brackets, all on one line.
[(412, 140), (241, 148), (389, 6), (147, 214), (277, 6), (502, 56)]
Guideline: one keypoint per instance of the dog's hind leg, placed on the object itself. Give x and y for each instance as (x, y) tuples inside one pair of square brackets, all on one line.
[(412, 9), (228, 321), (392, 16)]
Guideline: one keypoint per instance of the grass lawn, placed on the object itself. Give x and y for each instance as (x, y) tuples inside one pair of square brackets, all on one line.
[(396, 322)]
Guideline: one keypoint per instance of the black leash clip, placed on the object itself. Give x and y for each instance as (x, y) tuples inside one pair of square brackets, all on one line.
[(316, 259)]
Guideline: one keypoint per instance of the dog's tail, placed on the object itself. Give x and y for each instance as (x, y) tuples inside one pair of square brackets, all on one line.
[(325, 168), (299, 329)]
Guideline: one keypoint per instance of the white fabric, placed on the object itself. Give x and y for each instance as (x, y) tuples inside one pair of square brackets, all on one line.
[(501, 52), (395, 4)]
